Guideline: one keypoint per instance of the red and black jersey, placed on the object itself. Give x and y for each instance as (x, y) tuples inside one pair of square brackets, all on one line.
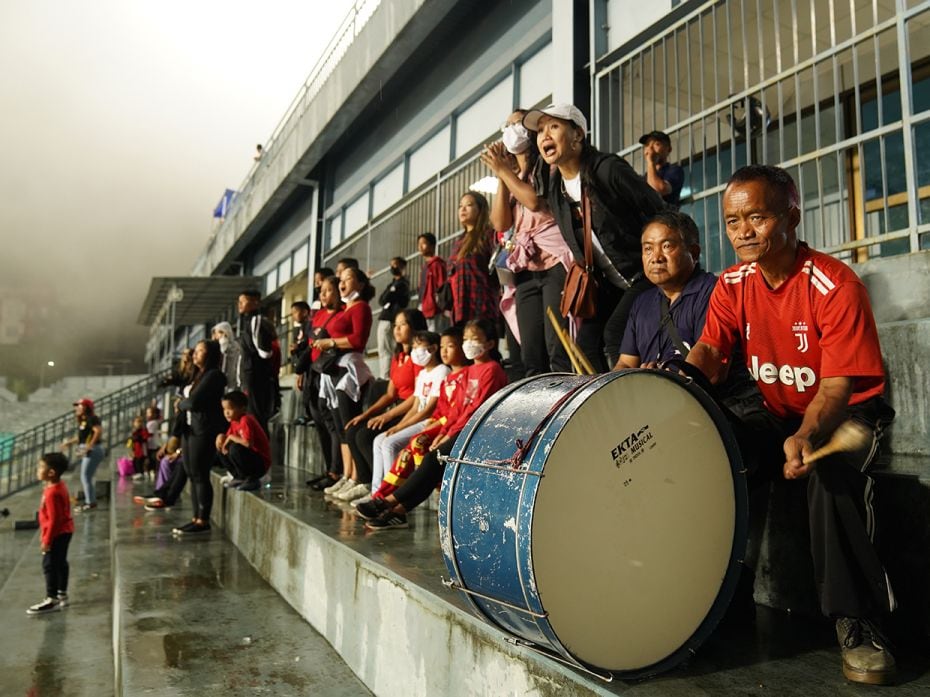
[(817, 324)]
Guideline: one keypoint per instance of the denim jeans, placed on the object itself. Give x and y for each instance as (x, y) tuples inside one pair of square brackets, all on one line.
[(90, 462)]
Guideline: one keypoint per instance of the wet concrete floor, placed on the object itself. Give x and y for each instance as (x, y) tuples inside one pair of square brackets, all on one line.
[(196, 619), (62, 654)]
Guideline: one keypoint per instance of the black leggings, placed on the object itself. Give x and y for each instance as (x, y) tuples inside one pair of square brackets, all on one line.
[(424, 479), (55, 566), (540, 347), (324, 425), (199, 457)]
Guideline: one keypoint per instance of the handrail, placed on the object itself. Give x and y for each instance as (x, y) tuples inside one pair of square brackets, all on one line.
[(342, 39), (19, 454)]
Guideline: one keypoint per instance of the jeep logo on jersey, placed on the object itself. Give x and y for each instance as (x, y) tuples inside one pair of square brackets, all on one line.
[(801, 377)]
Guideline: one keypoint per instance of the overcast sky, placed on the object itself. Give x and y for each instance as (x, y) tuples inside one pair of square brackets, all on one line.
[(122, 123)]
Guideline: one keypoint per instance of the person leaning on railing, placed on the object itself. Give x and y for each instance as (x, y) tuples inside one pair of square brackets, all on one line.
[(88, 440)]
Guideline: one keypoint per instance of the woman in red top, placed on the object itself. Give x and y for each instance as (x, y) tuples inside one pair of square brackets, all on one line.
[(364, 428), (330, 308), (474, 290), (348, 334)]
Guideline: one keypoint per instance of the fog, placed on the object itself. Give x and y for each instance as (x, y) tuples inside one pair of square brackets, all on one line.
[(122, 124)]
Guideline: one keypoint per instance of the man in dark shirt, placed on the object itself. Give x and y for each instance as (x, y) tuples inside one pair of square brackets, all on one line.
[(663, 176), (667, 320), (257, 375), (395, 297)]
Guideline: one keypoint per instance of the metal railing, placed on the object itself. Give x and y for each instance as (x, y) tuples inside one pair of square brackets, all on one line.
[(19, 454), (835, 92), (343, 38)]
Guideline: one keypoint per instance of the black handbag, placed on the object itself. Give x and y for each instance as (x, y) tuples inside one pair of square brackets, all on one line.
[(442, 296), (327, 363)]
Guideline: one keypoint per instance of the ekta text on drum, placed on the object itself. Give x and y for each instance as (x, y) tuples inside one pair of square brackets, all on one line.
[(601, 520)]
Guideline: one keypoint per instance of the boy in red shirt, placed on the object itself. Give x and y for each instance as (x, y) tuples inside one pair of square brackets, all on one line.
[(56, 527), (244, 449)]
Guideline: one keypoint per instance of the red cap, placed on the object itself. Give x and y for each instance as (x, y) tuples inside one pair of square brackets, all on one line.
[(86, 403)]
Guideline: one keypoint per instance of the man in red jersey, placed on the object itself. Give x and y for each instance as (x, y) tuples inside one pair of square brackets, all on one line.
[(806, 328)]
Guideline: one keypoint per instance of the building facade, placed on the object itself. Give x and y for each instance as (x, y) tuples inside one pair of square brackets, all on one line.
[(383, 138)]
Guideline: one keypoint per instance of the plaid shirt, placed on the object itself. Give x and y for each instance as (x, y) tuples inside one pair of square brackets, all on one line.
[(474, 290)]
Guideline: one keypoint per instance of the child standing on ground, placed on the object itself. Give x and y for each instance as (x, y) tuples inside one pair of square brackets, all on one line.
[(244, 449), (56, 527), (138, 444)]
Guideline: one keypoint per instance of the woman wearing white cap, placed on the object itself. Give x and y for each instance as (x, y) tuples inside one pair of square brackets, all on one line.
[(620, 202)]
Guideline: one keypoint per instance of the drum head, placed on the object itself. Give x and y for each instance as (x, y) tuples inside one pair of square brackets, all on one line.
[(633, 523)]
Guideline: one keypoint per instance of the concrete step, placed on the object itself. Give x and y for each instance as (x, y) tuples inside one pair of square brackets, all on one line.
[(193, 618), (378, 599), (67, 653)]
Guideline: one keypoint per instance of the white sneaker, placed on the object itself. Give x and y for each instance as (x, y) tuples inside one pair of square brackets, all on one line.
[(353, 492), (62, 599), (338, 486), (226, 478), (138, 477), (364, 499)]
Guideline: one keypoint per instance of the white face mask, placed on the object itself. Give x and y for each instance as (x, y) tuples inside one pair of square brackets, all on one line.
[(224, 343), (420, 356), (473, 349), (350, 297), (516, 138)]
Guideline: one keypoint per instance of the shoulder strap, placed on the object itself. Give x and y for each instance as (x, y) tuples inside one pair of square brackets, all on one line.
[(666, 323), (586, 220)]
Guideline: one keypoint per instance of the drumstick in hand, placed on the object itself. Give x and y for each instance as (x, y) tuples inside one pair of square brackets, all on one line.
[(850, 435)]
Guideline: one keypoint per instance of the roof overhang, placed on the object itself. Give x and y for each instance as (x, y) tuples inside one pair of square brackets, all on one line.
[(197, 299)]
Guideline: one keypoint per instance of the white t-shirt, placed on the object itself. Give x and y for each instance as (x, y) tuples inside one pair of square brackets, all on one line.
[(428, 384)]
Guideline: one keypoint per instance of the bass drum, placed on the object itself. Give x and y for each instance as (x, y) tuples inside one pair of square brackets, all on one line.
[(601, 520)]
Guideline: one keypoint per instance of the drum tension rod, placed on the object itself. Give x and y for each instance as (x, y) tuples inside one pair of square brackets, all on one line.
[(502, 468), (606, 677), (449, 583)]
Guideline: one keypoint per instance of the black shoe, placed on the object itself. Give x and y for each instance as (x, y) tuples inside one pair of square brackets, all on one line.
[(389, 520), (249, 485), (182, 529), (197, 528), (866, 652), (371, 509), (316, 480), (47, 605)]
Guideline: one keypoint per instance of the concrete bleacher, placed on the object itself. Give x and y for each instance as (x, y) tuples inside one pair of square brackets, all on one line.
[(289, 595)]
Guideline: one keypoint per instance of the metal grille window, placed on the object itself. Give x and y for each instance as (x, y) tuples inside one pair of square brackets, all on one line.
[(835, 91)]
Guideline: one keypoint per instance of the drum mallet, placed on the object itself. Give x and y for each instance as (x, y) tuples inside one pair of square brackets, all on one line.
[(580, 362), (849, 435)]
